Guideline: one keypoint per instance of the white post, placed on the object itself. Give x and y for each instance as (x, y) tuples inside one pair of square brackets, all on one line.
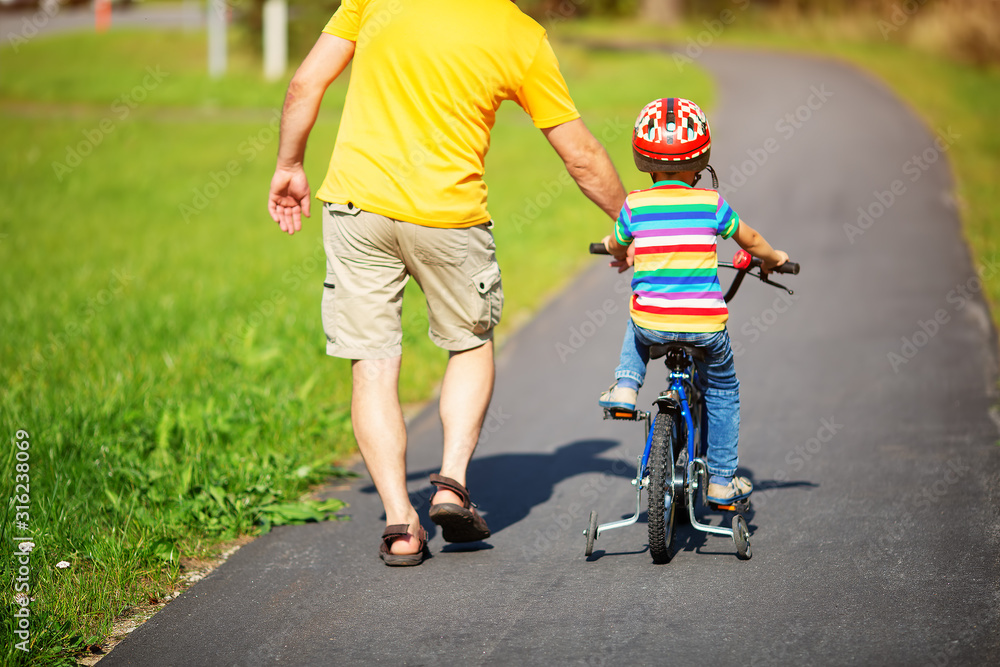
[(275, 39), (216, 37)]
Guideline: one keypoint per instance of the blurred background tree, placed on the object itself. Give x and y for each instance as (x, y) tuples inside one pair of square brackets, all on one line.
[(666, 12), (967, 30)]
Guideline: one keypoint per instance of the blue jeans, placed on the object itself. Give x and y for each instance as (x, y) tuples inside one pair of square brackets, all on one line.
[(718, 383)]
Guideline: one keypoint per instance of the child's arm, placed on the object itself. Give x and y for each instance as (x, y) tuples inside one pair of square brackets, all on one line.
[(750, 240)]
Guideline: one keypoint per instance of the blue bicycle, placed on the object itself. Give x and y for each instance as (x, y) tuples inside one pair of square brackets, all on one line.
[(673, 468)]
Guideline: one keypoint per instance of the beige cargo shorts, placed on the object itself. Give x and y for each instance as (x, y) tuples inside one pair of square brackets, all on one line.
[(369, 260)]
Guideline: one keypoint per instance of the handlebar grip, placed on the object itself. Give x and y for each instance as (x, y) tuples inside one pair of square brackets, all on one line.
[(788, 267), (599, 249)]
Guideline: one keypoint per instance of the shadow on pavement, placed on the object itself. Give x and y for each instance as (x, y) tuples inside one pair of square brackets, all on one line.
[(505, 487), (688, 538)]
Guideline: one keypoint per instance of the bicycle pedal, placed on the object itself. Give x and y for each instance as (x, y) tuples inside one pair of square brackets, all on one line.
[(724, 508), (621, 413), (740, 506)]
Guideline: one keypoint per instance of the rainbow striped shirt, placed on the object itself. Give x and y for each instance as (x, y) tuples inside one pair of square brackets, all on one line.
[(675, 286)]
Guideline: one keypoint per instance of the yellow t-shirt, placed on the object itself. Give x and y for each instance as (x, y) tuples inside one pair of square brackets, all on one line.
[(426, 81)]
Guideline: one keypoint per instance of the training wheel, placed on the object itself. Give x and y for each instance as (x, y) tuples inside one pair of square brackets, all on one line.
[(591, 533), (741, 536)]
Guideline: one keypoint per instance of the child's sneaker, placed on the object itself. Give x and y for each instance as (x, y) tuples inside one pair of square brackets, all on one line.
[(738, 488), (619, 397)]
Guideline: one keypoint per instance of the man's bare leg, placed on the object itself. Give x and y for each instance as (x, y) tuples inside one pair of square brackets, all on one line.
[(381, 434), (465, 396)]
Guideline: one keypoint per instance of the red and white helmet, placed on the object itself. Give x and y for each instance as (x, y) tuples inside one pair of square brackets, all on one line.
[(671, 134)]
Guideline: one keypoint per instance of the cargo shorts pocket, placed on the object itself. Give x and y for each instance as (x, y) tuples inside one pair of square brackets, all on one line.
[(341, 230), (489, 287), (343, 209)]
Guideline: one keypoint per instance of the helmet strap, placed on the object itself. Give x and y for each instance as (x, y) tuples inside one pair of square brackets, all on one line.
[(715, 179)]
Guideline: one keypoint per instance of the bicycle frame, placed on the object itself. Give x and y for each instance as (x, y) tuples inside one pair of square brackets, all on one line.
[(676, 401), (675, 398)]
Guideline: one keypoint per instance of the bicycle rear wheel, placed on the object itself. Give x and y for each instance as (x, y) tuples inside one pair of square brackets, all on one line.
[(661, 498)]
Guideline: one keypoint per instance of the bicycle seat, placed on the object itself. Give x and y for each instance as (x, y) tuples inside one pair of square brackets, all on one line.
[(657, 351)]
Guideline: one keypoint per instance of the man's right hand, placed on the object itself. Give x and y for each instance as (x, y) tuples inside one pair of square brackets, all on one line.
[(289, 198)]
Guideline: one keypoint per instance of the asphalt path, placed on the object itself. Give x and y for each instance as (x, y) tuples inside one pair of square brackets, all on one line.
[(866, 427)]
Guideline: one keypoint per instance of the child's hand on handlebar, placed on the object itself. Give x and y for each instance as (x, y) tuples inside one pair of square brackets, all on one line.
[(624, 255), (770, 265)]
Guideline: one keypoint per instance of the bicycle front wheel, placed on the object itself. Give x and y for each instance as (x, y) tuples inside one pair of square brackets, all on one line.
[(660, 492)]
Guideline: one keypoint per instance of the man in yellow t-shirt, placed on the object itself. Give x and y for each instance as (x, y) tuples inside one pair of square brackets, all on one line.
[(404, 196)]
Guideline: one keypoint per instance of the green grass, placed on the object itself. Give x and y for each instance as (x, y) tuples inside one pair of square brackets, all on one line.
[(114, 66), (942, 92), (161, 339)]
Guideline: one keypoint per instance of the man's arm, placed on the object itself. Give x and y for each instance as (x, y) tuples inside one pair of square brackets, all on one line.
[(589, 165), (289, 197)]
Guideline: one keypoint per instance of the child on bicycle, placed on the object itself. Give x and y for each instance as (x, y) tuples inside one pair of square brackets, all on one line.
[(669, 232)]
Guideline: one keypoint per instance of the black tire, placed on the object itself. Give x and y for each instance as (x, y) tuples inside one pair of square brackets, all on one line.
[(741, 536), (591, 533), (660, 492)]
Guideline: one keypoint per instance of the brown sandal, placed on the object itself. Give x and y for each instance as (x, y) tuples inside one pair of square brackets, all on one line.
[(393, 533), (458, 523)]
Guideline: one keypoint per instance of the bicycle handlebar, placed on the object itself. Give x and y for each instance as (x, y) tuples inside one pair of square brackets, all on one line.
[(739, 263), (787, 267)]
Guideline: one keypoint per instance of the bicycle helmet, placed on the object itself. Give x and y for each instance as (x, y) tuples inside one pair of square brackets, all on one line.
[(671, 134)]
